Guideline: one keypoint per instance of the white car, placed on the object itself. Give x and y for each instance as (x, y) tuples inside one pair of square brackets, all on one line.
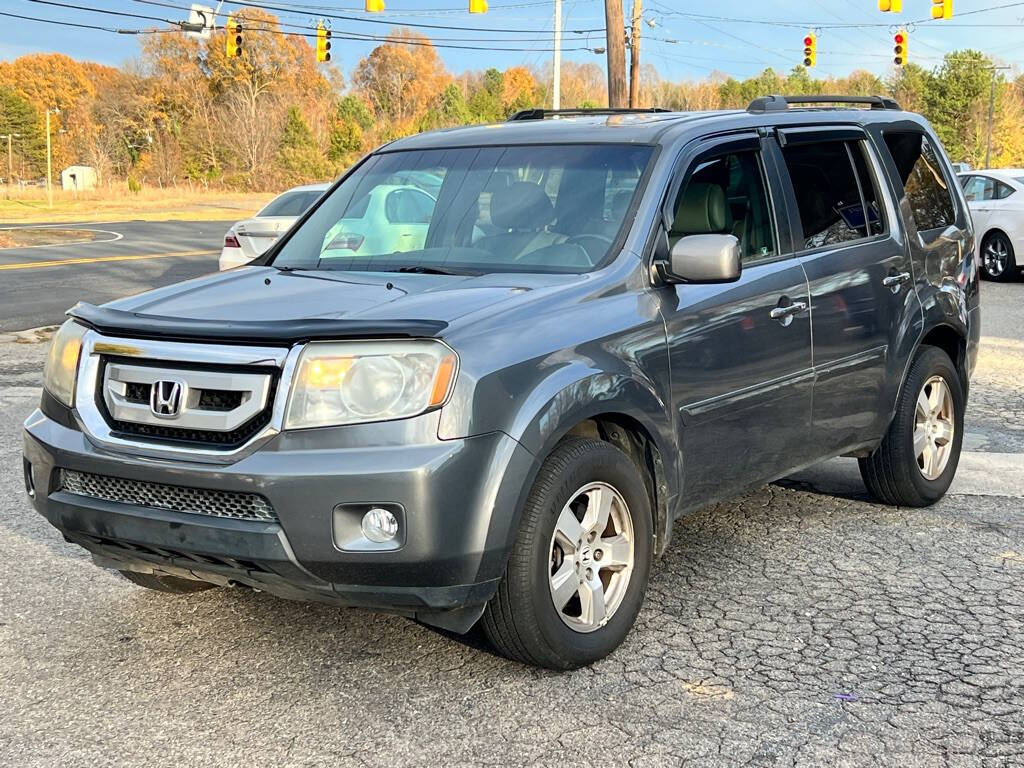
[(996, 200), (251, 237), (390, 218)]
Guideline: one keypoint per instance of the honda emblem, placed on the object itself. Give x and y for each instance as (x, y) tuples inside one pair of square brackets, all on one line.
[(166, 398)]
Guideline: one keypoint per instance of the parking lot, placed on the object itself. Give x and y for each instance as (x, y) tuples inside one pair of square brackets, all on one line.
[(799, 624)]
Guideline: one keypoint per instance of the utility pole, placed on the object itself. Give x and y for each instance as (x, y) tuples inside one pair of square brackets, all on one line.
[(634, 57), (556, 68), (991, 112), (616, 33), (10, 161), (49, 163)]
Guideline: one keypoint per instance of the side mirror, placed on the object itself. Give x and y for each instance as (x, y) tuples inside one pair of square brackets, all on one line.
[(704, 259)]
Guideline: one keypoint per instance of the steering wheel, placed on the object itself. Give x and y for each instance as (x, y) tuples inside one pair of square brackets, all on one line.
[(596, 246)]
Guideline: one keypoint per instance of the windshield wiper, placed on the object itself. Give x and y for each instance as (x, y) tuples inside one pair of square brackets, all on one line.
[(420, 269)]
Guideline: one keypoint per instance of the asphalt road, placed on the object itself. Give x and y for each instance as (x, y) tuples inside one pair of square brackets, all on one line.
[(798, 625), (38, 284)]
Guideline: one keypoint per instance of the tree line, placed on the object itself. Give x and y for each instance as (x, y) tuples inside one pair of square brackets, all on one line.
[(183, 113)]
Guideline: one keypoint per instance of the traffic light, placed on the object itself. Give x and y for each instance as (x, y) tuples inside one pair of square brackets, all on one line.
[(478, 6), (900, 48), (374, 6), (323, 42), (890, 6), (234, 39), (942, 9), (810, 50)]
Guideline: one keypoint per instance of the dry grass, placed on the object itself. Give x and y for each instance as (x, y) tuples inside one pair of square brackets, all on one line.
[(29, 206)]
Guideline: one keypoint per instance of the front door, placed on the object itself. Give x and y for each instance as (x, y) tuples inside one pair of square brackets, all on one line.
[(860, 276), (740, 353)]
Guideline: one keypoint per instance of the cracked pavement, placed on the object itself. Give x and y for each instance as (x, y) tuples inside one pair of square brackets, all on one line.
[(798, 625)]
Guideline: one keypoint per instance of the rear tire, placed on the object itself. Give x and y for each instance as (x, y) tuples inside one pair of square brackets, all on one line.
[(168, 584), (997, 259), (560, 555), (917, 459)]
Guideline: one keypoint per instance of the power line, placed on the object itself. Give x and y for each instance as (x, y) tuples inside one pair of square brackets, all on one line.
[(114, 30), (310, 34), (363, 35), (358, 20)]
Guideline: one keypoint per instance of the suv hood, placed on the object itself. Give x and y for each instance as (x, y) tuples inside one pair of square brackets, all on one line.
[(265, 303)]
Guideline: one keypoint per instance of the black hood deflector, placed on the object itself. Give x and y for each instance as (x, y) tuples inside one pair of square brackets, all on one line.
[(119, 322)]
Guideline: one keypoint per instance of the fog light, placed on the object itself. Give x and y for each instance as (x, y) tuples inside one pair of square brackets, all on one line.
[(379, 525)]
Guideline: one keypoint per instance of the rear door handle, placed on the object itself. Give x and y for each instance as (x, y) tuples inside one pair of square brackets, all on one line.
[(894, 281)]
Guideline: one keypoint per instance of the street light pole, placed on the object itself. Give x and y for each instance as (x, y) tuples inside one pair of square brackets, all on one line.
[(556, 68), (49, 165), (634, 56), (991, 112)]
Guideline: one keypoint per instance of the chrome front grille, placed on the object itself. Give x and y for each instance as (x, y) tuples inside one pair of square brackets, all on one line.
[(173, 498)]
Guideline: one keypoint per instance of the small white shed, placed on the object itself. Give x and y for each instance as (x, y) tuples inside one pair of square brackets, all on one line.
[(78, 177)]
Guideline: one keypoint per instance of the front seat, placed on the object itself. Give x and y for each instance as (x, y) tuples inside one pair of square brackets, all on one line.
[(524, 212), (702, 209)]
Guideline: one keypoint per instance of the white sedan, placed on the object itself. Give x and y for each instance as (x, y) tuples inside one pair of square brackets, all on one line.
[(996, 200), (250, 238)]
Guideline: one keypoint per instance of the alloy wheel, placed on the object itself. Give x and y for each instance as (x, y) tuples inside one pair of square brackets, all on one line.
[(591, 557), (996, 256), (934, 427)]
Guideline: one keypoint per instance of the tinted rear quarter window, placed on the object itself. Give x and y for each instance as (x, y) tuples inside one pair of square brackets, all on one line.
[(920, 170)]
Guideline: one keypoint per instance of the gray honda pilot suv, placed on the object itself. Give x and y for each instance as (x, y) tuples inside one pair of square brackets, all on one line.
[(483, 375)]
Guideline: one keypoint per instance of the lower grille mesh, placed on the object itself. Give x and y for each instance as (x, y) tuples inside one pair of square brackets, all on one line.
[(174, 498)]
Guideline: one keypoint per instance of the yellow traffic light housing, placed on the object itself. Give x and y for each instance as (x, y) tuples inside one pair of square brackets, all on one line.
[(374, 6), (942, 9), (810, 50), (890, 6), (478, 6), (233, 46), (900, 48), (323, 42)]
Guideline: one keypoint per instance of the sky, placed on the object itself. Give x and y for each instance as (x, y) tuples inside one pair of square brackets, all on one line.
[(683, 40)]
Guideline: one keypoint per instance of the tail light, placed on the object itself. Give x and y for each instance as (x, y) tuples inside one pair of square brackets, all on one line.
[(230, 241), (346, 243)]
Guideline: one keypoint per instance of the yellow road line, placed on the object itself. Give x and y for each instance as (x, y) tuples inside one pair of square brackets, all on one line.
[(95, 259)]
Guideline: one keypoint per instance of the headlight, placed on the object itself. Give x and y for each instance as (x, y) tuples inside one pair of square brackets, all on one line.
[(349, 382), (61, 369)]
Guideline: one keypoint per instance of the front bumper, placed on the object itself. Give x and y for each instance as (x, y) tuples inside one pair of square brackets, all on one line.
[(459, 497)]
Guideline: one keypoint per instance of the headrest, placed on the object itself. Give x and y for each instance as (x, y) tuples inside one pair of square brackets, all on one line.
[(620, 204), (701, 210), (522, 206)]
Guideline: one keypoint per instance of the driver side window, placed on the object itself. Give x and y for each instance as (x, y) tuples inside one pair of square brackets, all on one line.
[(727, 195)]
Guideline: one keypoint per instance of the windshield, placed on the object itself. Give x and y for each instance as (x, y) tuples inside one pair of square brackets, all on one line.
[(291, 203), (474, 210)]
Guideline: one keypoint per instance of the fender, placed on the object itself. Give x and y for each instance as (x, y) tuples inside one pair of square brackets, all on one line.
[(577, 392)]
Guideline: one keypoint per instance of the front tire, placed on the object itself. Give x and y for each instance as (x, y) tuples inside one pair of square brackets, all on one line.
[(997, 258), (916, 462), (168, 584), (577, 573)]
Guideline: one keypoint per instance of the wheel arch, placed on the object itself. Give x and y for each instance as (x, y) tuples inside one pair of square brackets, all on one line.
[(950, 339), (624, 410)]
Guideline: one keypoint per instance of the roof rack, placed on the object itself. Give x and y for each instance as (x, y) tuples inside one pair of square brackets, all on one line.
[(781, 103), (541, 114)]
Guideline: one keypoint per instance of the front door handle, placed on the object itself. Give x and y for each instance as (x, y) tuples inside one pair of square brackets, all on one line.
[(786, 314), (895, 281)]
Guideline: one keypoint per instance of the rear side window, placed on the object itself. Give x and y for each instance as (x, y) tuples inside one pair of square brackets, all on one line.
[(921, 173), (291, 203), (836, 196)]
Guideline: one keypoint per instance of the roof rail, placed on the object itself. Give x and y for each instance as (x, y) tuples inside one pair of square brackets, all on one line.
[(540, 114), (781, 103)]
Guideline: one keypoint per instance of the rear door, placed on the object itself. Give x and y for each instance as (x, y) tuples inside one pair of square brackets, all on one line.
[(740, 353), (980, 192), (860, 277)]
